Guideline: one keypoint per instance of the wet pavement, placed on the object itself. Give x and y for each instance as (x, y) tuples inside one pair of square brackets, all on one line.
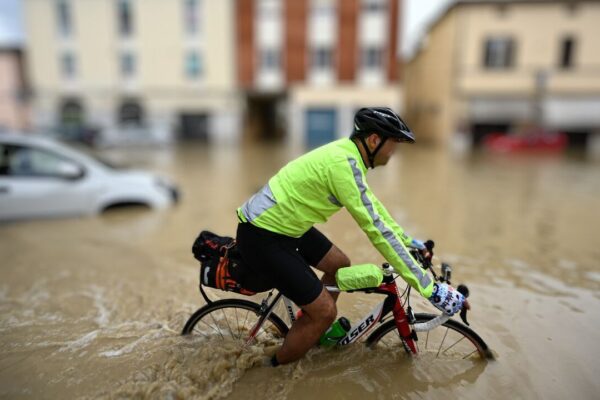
[(92, 307)]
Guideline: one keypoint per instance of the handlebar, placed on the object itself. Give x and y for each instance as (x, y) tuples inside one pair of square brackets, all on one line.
[(446, 270), (431, 324)]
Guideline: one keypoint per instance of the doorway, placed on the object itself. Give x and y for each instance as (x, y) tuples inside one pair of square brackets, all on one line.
[(265, 117), (194, 126)]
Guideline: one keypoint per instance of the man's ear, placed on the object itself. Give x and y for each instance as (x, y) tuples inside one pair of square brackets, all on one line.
[(375, 139)]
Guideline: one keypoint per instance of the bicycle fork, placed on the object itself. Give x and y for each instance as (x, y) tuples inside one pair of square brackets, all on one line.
[(407, 335)]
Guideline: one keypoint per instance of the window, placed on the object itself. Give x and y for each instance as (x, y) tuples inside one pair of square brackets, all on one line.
[(572, 8), (499, 53), (502, 10), (323, 8), (128, 67), (131, 114), (371, 58), (125, 18), (566, 53), (269, 9), (193, 65), (4, 160), (29, 161), (71, 113), (68, 67), (63, 16), (321, 58), (191, 16), (373, 6), (269, 59)]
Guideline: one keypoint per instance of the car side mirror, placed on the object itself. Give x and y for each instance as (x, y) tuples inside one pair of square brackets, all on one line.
[(70, 171)]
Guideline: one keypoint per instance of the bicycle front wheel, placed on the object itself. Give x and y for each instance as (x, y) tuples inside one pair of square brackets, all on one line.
[(452, 340), (233, 320)]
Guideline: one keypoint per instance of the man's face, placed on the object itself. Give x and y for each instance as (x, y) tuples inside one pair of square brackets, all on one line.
[(385, 152)]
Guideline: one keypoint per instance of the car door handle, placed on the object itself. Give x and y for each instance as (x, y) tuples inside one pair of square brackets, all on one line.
[(4, 189)]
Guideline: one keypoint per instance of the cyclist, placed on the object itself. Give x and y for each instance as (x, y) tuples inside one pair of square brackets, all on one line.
[(278, 242)]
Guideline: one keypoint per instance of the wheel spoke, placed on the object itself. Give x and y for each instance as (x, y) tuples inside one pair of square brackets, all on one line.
[(416, 342), (400, 338), (233, 319), (246, 318), (227, 322), (237, 322), (454, 344), (445, 341), (442, 343), (196, 329), (261, 330), (218, 329), (471, 353)]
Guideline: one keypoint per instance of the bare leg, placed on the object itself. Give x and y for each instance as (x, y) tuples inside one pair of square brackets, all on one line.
[(306, 331), (333, 260)]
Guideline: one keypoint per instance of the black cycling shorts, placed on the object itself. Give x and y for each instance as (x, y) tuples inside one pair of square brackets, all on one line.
[(283, 262)]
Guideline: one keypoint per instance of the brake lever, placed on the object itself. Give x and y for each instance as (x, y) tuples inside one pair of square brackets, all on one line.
[(463, 315), (464, 290)]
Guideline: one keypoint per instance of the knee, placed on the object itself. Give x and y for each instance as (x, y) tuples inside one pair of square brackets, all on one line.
[(338, 260), (341, 261), (344, 261)]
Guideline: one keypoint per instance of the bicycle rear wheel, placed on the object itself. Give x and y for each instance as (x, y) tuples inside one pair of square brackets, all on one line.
[(232, 320), (452, 340)]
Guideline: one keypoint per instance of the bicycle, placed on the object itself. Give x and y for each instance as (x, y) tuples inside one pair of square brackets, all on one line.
[(248, 322)]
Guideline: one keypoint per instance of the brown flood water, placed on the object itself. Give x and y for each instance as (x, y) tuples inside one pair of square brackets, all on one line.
[(93, 307)]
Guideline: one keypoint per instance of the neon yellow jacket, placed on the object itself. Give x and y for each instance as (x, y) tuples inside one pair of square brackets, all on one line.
[(311, 188)]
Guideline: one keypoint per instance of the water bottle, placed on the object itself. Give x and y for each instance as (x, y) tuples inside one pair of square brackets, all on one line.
[(335, 332)]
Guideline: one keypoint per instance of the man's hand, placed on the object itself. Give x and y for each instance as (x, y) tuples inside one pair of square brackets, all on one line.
[(448, 299), (418, 245)]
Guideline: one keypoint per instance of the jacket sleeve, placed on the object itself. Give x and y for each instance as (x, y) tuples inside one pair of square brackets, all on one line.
[(351, 190)]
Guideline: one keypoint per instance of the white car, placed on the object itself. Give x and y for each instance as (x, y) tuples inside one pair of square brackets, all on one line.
[(40, 177)]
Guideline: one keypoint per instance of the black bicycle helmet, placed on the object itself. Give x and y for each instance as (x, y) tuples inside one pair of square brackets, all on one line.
[(382, 121)]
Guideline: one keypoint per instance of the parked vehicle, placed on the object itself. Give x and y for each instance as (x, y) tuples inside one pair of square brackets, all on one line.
[(40, 177)]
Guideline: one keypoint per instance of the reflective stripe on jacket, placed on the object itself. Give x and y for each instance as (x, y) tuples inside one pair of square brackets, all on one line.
[(316, 185)]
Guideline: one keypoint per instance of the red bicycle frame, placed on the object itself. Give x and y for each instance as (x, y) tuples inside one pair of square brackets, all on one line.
[(400, 316)]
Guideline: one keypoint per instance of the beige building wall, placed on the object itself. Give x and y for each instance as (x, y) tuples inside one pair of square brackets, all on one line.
[(345, 99), (448, 88), (159, 44), (428, 80), (14, 110), (537, 30)]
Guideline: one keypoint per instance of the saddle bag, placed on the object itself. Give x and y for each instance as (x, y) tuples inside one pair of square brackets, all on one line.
[(220, 263)]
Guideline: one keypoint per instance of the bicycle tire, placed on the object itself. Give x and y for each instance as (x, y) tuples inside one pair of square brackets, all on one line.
[(388, 334), (232, 319)]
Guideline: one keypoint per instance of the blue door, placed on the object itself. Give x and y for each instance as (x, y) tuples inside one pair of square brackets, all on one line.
[(320, 126)]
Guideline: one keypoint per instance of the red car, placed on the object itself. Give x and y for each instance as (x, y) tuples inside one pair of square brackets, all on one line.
[(538, 141)]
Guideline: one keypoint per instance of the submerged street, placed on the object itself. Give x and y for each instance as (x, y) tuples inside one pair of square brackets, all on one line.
[(93, 307)]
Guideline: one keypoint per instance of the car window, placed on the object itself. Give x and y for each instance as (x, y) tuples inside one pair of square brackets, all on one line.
[(29, 161), (3, 160)]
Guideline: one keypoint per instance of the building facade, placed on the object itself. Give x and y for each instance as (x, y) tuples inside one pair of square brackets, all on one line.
[(113, 71), (306, 66), (134, 70), (495, 66), (14, 92)]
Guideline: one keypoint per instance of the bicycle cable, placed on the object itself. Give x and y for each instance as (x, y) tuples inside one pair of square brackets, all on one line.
[(407, 294)]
